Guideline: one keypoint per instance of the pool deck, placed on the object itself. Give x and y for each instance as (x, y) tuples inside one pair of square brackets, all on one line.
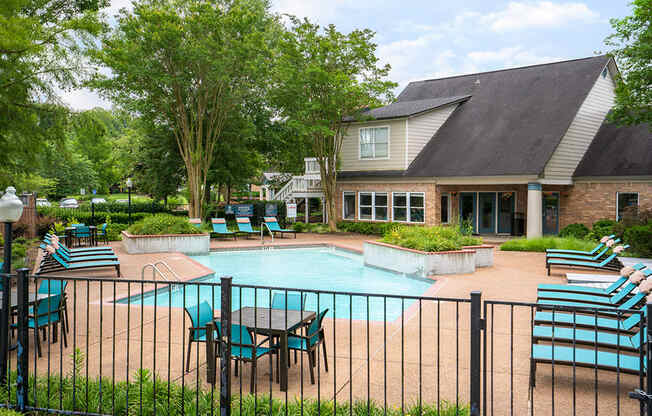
[(106, 331)]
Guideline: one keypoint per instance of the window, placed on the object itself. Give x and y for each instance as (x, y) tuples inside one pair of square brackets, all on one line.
[(445, 208), (373, 206), (374, 143), (408, 206), (625, 200), (604, 73), (349, 206)]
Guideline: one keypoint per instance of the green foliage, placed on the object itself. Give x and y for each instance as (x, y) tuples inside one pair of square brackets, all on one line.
[(601, 228), (437, 238), (540, 244), (68, 215), (639, 237), (576, 230), (632, 43), (114, 230), (163, 224), (317, 228), (367, 228)]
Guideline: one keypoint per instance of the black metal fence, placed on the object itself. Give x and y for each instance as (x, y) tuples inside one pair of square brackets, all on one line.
[(79, 345)]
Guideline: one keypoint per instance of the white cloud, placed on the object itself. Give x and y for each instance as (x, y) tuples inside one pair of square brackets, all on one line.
[(83, 99), (519, 16), (509, 56)]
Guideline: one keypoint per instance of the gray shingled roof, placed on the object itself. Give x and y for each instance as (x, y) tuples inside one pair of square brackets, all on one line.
[(512, 123), (618, 151), (410, 108)]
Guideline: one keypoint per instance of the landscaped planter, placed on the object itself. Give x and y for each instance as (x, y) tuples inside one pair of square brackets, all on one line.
[(418, 263), (182, 243), (484, 254)]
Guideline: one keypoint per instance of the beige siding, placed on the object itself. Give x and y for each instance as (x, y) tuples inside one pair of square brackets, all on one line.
[(582, 130), (350, 157), (421, 128)]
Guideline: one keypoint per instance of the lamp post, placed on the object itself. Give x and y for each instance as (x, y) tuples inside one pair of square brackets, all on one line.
[(130, 183), (11, 208)]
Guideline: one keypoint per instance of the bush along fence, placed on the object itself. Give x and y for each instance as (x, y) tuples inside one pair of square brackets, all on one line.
[(121, 346)]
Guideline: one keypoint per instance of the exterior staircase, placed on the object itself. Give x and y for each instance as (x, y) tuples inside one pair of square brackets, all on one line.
[(307, 185)]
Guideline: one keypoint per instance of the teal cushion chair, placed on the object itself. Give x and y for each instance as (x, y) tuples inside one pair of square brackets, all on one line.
[(47, 312), (590, 253), (196, 222), (81, 233), (200, 315), (57, 287), (568, 319), (244, 349), (60, 264), (244, 226), (620, 282), (590, 257), (274, 228), (48, 239), (220, 229), (310, 343), (609, 263), (290, 302), (101, 233)]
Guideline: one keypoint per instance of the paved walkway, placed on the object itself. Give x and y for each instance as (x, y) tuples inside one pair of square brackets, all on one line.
[(423, 355)]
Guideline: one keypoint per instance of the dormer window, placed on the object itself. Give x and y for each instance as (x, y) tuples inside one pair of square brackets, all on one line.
[(374, 142), (604, 73)]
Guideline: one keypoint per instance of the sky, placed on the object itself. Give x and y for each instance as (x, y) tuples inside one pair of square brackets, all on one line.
[(425, 39)]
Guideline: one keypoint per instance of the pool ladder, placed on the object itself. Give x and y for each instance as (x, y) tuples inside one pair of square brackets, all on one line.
[(262, 238), (156, 268)]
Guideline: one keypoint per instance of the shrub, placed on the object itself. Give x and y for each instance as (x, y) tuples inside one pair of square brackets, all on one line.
[(542, 243), (163, 224), (367, 228), (86, 217), (574, 230), (299, 227), (639, 237), (114, 230), (438, 238), (602, 228)]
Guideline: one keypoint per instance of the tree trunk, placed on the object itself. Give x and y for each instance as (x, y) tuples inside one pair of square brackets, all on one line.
[(218, 193), (228, 193)]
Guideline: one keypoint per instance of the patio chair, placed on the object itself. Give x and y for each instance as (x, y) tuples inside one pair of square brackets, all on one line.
[(244, 349), (200, 315), (609, 263), (46, 313), (595, 321), (614, 300), (101, 233), (219, 228), (574, 256), (57, 287), (310, 344), (81, 233), (273, 227), (603, 240), (71, 258), (195, 221), (294, 303), (591, 337), (244, 227), (593, 290), (61, 265)]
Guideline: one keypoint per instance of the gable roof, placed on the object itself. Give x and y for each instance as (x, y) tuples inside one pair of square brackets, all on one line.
[(409, 108), (511, 124), (618, 151)]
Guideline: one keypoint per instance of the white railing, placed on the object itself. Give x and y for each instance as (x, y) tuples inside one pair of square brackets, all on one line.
[(298, 184), (156, 268)]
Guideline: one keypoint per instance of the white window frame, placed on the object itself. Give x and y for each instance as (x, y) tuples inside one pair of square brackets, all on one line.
[(638, 201), (408, 207), (372, 206), (345, 193), (450, 205), (389, 135)]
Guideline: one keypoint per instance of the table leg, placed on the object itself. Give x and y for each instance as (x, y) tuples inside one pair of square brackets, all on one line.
[(283, 357)]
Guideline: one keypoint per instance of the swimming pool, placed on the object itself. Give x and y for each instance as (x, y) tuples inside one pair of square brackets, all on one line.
[(318, 269)]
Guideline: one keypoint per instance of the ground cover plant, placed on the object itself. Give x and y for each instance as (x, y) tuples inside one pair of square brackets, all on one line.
[(163, 224), (540, 244), (430, 239)]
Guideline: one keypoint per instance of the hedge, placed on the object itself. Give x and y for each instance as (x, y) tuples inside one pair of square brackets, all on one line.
[(574, 230), (86, 217), (639, 237), (368, 228)]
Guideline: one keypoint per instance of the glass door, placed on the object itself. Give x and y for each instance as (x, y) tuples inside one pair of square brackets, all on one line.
[(487, 212), (551, 212), (506, 207), (468, 208)]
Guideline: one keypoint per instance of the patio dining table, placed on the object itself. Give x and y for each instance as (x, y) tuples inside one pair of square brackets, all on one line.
[(273, 323), (70, 236)]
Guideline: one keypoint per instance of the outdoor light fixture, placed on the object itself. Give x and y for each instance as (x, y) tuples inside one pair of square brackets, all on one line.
[(130, 183), (11, 208)]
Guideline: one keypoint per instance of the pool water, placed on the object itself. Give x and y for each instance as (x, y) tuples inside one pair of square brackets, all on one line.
[(318, 269)]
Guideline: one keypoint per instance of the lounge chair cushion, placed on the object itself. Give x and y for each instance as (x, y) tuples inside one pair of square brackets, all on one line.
[(586, 357), (587, 336)]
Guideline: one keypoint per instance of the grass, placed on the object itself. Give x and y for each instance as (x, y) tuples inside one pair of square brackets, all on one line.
[(74, 392), (540, 244), (430, 239)]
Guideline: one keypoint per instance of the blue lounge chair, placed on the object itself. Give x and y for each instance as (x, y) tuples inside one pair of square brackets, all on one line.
[(49, 238), (615, 300), (200, 315), (588, 253), (588, 337), (87, 256), (244, 349), (609, 263), (587, 289), (46, 312), (62, 265), (195, 221), (273, 227), (589, 257), (581, 357), (631, 303), (565, 318), (244, 226), (219, 228), (310, 343)]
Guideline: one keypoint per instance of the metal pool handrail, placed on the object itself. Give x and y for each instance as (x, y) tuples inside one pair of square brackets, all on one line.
[(155, 268)]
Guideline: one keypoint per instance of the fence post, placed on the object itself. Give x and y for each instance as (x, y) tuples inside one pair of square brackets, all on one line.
[(225, 350), (648, 358), (4, 317), (476, 335), (22, 348), (92, 213)]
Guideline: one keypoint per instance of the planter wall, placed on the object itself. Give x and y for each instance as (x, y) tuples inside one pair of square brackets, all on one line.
[(182, 243), (484, 255), (418, 263)]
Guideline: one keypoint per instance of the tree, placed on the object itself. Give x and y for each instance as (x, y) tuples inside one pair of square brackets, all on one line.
[(323, 77), (186, 65), (41, 43), (632, 42)]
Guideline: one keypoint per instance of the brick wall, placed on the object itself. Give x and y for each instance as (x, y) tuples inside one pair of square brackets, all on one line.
[(588, 202)]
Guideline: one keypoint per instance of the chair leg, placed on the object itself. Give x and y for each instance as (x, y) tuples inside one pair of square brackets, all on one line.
[(188, 359), (55, 332), (236, 368), (253, 376), (325, 359), (311, 364), (37, 341), (295, 356)]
